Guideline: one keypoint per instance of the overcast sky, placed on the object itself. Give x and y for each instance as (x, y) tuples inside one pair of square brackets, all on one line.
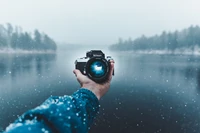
[(100, 21)]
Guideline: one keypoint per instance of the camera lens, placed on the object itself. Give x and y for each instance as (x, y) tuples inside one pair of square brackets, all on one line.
[(97, 69)]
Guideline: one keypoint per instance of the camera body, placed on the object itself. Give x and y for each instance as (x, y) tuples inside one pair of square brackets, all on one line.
[(95, 65)]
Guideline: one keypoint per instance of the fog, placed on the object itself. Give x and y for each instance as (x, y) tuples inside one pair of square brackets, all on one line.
[(100, 21)]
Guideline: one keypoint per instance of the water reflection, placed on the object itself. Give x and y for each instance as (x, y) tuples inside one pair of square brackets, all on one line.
[(186, 68), (188, 72), (198, 80), (17, 65)]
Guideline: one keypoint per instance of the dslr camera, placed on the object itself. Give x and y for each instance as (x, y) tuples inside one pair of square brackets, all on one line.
[(95, 65)]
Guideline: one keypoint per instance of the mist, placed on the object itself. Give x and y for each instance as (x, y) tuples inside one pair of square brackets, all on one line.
[(100, 22)]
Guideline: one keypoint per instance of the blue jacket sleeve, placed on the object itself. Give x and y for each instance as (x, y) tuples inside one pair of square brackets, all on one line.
[(67, 114)]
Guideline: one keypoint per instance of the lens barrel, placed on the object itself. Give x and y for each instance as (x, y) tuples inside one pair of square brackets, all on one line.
[(97, 69)]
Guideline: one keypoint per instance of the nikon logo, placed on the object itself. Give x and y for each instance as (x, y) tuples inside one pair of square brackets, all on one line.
[(97, 55)]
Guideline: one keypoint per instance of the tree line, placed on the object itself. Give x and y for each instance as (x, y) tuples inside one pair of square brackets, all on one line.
[(15, 38), (186, 38)]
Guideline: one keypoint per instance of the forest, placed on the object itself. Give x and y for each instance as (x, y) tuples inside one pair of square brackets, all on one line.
[(13, 37), (171, 41)]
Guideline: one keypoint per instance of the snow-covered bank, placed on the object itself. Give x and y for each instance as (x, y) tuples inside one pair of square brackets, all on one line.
[(20, 51), (182, 51)]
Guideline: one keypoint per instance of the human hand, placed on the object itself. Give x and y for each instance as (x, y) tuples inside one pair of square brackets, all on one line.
[(98, 89)]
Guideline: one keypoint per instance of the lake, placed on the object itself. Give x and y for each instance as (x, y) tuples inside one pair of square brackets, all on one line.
[(148, 94)]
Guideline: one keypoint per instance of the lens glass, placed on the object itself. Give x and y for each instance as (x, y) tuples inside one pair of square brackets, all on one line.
[(97, 69)]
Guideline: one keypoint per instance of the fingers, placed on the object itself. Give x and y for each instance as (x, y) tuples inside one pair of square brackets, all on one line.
[(111, 69), (112, 61)]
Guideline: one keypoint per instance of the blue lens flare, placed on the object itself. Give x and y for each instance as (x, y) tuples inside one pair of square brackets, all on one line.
[(97, 69)]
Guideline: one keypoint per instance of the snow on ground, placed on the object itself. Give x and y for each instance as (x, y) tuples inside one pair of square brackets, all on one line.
[(181, 51), (20, 51)]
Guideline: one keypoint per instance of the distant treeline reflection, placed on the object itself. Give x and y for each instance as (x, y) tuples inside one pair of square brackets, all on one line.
[(188, 38), (15, 38), (18, 64)]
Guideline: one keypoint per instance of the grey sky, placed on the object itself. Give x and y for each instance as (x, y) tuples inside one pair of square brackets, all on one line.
[(100, 21)]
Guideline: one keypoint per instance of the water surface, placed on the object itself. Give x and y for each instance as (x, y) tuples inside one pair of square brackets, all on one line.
[(149, 93)]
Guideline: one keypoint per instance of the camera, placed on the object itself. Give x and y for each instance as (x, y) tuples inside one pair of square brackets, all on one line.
[(95, 65)]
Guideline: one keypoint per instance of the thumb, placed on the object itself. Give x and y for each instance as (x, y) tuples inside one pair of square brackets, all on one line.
[(79, 75)]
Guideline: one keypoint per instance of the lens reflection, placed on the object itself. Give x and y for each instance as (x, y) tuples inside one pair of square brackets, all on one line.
[(97, 69)]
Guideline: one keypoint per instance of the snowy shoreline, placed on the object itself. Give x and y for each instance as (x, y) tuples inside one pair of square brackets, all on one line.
[(196, 52), (20, 51)]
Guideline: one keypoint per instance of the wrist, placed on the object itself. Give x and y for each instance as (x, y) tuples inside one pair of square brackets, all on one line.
[(93, 90)]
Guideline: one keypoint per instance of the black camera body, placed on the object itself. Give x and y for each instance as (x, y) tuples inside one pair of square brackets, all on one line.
[(95, 65)]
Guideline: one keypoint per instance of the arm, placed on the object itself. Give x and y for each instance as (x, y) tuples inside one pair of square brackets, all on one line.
[(60, 115), (65, 114)]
